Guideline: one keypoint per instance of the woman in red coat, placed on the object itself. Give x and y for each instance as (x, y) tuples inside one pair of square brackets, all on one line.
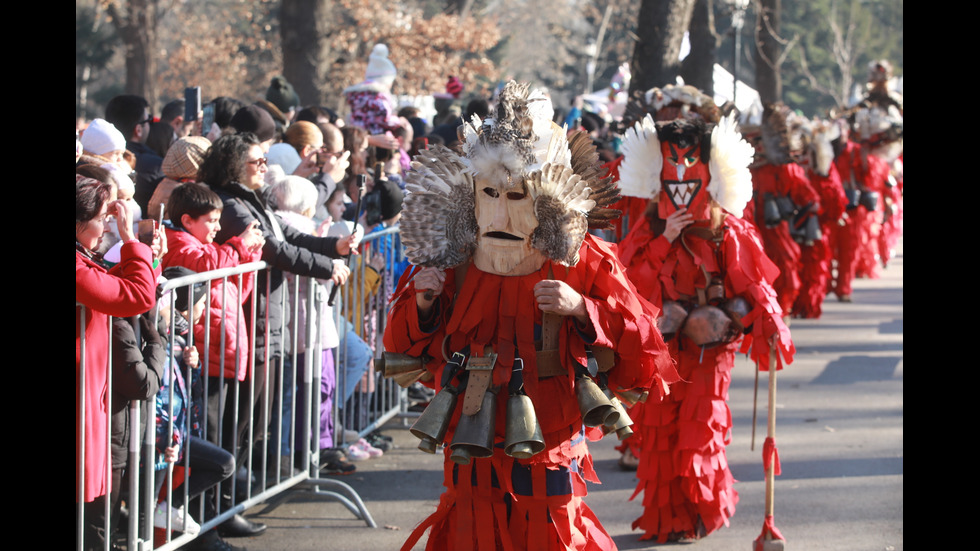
[(128, 289)]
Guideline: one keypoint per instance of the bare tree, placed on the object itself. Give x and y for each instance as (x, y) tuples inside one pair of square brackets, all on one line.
[(305, 28), (846, 49), (770, 51), (459, 7), (697, 69), (136, 23), (660, 28)]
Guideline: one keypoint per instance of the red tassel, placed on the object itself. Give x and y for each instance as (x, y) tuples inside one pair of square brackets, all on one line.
[(768, 528), (770, 456)]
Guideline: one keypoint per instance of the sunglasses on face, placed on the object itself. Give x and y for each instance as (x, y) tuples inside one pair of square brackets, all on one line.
[(261, 161)]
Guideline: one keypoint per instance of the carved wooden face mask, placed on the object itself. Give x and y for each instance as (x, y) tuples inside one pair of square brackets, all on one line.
[(684, 181), (506, 220)]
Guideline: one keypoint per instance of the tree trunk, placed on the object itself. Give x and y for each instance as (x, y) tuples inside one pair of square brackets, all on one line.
[(698, 68), (137, 27), (767, 52), (459, 7), (660, 27), (303, 26)]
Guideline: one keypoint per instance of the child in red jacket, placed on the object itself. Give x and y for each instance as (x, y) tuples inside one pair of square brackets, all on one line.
[(195, 212)]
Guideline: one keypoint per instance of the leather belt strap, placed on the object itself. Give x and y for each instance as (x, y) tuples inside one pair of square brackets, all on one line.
[(480, 373)]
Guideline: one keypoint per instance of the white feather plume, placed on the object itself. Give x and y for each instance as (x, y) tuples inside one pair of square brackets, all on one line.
[(731, 181), (639, 174)]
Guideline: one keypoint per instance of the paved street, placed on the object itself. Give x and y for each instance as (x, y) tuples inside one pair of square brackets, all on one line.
[(840, 411)]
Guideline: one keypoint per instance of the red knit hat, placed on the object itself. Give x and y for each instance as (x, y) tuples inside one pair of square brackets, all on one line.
[(454, 87)]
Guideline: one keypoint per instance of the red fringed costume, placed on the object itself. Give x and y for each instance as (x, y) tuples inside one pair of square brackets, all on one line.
[(856, 243), (891, 227), (816, 259), (528, 504), (785, 180), (688, 489)]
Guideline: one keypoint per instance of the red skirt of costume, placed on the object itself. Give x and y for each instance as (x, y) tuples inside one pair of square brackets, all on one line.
[(814, 278), (844, 247), (504, 503), (688, 489)]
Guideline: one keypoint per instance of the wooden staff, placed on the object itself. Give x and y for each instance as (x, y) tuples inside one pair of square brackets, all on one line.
[(770, 539)]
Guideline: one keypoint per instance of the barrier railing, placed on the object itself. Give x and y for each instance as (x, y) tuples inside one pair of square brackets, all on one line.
[(280, 398)]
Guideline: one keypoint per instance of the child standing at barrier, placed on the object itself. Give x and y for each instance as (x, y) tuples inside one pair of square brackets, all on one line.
[(195, 212), (180, 402)]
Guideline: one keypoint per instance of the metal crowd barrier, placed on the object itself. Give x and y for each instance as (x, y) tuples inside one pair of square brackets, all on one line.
[(265, 471)]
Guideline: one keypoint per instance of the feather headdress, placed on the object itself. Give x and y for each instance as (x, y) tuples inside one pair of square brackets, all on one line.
[(517, 142), (731, 180), (776, 133), (729, 158), (673, 101)]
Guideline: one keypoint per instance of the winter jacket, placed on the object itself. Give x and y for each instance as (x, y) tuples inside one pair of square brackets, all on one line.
[(137, 367), (286, 250), (183, 249), (187, 399), (328, 329), (128, 289)]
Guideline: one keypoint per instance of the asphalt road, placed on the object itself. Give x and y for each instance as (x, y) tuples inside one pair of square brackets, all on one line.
[(839, 432)]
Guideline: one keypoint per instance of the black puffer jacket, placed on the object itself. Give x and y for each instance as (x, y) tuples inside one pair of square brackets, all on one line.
[(286, 250), (137, 369)]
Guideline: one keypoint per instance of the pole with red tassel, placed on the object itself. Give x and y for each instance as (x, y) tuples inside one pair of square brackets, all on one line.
[(770, 539)]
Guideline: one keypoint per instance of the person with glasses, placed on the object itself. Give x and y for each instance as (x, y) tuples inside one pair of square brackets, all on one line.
[(131, 115), (235, 168)]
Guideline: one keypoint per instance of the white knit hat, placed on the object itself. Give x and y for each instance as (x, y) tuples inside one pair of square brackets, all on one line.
[(101, 137), (379, 66)]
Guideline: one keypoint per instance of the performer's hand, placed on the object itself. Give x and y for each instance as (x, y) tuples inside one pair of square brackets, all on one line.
[(676, 222), (558, 297), (429, 282)]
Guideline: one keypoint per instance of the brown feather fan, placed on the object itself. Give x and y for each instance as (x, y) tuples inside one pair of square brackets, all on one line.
[(438, 225), (585, 163)]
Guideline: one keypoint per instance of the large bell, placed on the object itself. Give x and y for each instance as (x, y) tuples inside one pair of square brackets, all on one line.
[(404, 369), (630, 396), (523, 435), (432, 423), (672, 317), (623, 424), (770, 211), (709, 326), (592, 402), (474, 433)]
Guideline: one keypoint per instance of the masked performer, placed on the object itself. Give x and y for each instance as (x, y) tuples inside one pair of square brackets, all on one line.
[(864, 177), (782, 193), (519, 317), (706, 269), (815, 230)]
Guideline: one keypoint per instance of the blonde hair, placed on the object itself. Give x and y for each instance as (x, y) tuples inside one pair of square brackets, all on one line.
[(302, 133)]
